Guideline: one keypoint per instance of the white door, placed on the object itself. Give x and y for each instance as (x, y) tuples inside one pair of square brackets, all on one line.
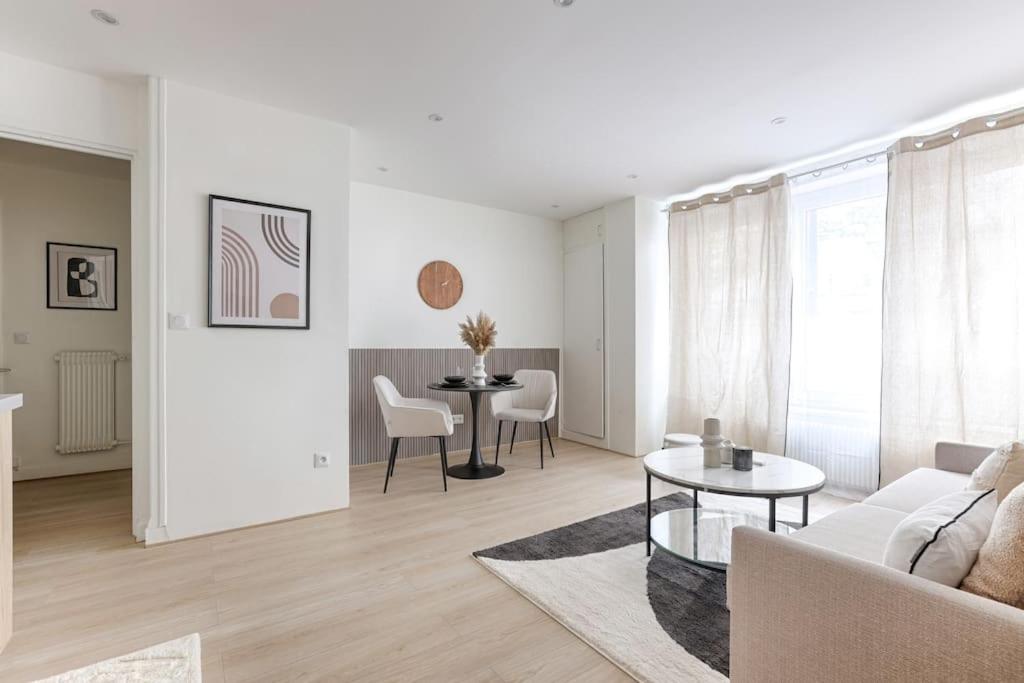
[(583, 362)]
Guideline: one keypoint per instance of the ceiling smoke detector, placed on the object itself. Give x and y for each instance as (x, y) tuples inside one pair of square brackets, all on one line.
[(382, 169), (104, 17), (563, 3), (632, 176), (779, 120), (436, 118)]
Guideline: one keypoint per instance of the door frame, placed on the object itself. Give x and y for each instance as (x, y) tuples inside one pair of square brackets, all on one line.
[(148, 295)]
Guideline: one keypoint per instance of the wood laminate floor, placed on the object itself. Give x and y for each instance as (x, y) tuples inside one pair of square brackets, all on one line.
[(384, 591)]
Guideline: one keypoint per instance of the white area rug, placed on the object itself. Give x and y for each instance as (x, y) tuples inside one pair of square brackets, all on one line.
[(658, 619), (176, 661), (602, 598)]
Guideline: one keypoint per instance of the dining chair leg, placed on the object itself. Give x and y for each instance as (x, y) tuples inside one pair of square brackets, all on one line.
[(497, 446), (444, 463), (515, 426), (391, 462), (541, 442), (547, 431)]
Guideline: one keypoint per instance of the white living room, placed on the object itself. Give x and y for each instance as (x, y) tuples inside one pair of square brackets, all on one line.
[(546, 340)]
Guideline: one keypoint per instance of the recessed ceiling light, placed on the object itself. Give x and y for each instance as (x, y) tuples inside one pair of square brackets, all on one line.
[(436, 118), (632, 176), (104, 17), (383, 169), (563, 3), (779, 120)]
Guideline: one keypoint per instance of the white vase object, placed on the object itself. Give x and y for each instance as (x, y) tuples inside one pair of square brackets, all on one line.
[(479, 372), (711, 442)]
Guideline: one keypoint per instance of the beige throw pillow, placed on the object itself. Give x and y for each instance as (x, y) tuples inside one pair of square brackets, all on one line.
[(999, 572), (1002, 470)]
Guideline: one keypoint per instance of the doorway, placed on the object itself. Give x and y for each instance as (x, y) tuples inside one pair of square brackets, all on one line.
[(65, 289)]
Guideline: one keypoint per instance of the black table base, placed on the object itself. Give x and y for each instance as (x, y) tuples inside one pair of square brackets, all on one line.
[(468, 471), (475, 467)]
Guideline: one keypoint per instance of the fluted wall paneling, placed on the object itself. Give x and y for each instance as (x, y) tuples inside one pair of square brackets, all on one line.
[(412, 370)]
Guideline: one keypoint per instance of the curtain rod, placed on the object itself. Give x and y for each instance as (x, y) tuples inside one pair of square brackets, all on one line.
[(813, 171), (870, 158)]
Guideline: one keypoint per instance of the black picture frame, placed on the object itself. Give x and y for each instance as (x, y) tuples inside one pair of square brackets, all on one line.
[(52, 296), (210, 318)]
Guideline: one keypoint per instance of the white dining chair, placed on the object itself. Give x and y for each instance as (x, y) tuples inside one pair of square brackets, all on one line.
[(412, 418), (534, 403)]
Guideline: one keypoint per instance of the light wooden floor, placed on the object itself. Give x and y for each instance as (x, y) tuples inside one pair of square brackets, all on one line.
[(384, 591)]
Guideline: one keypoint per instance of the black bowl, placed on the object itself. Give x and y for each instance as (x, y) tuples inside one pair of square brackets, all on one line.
[(504, 377), (454, 379)]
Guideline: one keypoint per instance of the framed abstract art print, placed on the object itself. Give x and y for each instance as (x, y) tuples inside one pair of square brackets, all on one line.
[(81, 276), (259, 264)]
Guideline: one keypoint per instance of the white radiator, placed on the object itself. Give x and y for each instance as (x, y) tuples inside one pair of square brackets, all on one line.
[(87, 398)]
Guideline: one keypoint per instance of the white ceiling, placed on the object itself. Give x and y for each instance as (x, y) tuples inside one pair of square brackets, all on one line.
[(545, 105)]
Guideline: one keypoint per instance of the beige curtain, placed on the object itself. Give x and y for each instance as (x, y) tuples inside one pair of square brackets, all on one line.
[(953, 292), (731, 291)]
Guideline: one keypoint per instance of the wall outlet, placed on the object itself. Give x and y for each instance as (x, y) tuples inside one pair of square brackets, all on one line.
[(22, 338), (459, 418), (321, 460)]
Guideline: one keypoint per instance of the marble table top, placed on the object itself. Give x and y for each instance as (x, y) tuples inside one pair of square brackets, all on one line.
[(772, 475)]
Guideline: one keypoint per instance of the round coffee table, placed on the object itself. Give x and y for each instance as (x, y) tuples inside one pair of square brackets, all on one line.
[(692, 533), (475, 467)]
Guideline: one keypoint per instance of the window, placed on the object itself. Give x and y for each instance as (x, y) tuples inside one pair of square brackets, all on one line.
[(838, 229)]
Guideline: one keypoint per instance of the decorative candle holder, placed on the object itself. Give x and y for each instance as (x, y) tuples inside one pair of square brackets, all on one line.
[(742, 459)]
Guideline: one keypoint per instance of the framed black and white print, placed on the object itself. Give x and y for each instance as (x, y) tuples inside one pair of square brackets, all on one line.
[(81, 276), (259, 264)]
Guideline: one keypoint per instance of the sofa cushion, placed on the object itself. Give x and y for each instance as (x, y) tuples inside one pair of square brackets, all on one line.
[(999, 571), (941, 540), (918, 488), (1002, 470), (859, 530)]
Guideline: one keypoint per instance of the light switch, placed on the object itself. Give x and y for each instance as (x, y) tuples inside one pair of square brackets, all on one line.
[(178, 321), (21, 338)]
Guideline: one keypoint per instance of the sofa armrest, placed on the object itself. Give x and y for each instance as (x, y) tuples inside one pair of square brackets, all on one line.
[(959, 457), (800, 612)]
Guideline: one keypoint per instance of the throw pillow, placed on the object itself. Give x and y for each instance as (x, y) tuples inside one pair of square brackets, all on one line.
[(1002, 470), (999, 572), (940, 541)]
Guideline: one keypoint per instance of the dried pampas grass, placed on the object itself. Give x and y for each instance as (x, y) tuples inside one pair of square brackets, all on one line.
[(479, 335)]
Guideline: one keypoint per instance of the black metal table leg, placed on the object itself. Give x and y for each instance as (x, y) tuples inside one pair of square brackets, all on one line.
[(475, 467), (648, 514), (806, 509), (771, 514)]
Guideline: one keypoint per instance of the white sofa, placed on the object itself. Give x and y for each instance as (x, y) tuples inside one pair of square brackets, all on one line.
[(819, 605)]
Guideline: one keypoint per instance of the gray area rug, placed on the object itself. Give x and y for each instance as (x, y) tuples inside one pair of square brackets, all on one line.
[(658, 619)]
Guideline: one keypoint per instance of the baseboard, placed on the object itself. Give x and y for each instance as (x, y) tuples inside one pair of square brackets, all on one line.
[(24, 473), (486, 451)]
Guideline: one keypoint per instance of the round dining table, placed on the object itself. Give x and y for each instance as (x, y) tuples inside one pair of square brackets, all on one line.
[(475, 467)]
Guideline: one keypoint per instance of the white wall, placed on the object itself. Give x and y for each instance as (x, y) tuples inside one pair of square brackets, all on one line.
[(246, 409), (511, 267), (651, 325), (41, 200), (620, 307), (61, 104)]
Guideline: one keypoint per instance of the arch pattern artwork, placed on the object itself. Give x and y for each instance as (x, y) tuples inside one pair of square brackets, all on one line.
[(259, 264)]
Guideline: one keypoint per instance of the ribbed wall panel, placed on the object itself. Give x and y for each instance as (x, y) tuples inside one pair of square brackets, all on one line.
[(412, 370), (86, 403)]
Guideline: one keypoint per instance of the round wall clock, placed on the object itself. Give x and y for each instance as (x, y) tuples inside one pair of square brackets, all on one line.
[(440, 284)]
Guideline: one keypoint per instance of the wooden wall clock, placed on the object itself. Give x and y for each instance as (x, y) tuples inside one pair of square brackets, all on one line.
[(440, 285)]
